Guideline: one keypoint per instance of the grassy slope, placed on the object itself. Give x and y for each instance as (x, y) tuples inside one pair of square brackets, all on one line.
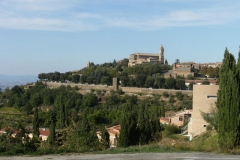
[(9, 110)]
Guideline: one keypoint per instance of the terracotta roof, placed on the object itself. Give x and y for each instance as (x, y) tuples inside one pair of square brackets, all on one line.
[(44, 132), (147, 54), (3, 130), (74, 71), (164, 119), (200, 81), (112, 130)]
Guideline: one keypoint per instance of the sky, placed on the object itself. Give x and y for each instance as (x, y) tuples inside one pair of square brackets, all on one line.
[(41, 36)]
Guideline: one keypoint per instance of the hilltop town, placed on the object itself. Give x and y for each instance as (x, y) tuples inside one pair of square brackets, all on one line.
[(136, 101)]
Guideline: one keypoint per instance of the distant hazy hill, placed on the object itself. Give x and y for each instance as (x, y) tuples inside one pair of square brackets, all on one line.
[(12, 80)]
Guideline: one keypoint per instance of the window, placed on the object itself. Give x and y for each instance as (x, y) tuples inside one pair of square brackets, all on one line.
[(212, 97), (181, 118)]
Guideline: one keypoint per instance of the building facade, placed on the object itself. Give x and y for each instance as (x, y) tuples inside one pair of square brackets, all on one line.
[(204, 97), (141, 58)]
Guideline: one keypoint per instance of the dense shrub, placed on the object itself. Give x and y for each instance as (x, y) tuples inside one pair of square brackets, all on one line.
[(179, 96), (165, 94), (171, 129)]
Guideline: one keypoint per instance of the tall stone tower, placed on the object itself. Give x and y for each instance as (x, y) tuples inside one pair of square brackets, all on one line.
[(161, 55), (88, 64), (115, 84)]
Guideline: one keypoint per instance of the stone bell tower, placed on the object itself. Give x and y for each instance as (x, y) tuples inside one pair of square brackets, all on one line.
[(161, 55)]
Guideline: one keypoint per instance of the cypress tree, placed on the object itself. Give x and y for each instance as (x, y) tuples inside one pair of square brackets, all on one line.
[(51, 137), (62, 112), (35, 124), (156, 122), (128, 127), (238, 82), (143, 125), (228, 103), (155, 127), (105, 141), (162, 110)]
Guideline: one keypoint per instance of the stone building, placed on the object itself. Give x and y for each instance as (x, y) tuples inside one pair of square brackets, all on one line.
[(181, 69), (140, 58), (204, 97), (113, 132), (188, 68)]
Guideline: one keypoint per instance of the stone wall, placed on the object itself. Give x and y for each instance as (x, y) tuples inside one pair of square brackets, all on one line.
[(80, 86), (153, 91), (124, 89)]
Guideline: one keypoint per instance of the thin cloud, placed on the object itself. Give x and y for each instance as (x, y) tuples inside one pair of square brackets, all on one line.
[(61, 15), (87, 15), (180, 18)]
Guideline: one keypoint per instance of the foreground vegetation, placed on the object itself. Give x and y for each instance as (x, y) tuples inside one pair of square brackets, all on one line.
[(78, 117)]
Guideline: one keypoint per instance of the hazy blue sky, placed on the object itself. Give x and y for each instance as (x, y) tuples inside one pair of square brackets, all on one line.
[(63, 35)]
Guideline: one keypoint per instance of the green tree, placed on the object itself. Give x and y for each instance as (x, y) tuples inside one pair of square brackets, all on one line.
[(191, 86), (140, 80), (162, 110), (166, 62), (106, 80), (89, 100), (206, 82), (216, 72), (149, 81), (75, 78), (82, 136), (62, 113), (179, 96), (177, 61), (228, 103), (105, 141), (124, 79), (17, 90), (180, 84), (191, 77), (51, 138), (128, 125), (170, 83), (203, 70), (155, 126), (210, 72), (143, 125), (211, 118), (36, 99), (36, 124), (159, 81)]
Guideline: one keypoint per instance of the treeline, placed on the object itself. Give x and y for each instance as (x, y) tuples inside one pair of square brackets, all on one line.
[(93, 74), (210, 71), (146, 75)]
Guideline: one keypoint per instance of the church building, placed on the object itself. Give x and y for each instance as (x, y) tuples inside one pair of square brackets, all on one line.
[(140, 58)]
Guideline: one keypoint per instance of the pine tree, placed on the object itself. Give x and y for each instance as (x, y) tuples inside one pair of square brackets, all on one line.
[(228, 103), (36, 124)]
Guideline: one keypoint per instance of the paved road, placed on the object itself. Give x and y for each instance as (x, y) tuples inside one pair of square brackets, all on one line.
[(135, 156)]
